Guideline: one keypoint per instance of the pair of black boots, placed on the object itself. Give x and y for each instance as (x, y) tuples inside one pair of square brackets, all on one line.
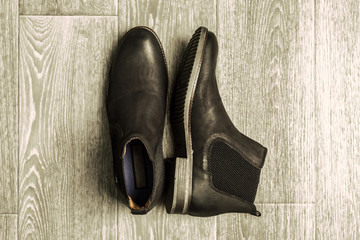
[(216, 168)]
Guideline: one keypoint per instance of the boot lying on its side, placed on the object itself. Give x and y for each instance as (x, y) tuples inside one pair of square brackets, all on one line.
[(217, 168), (136, 112)]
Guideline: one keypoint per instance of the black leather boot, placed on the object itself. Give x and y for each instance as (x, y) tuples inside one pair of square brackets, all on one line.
[(136, 111), (217, 168)]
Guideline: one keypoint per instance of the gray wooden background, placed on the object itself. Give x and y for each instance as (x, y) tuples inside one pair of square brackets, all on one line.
[(289, 76)]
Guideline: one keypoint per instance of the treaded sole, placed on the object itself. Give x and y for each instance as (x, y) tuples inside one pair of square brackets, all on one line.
[(179, 169)]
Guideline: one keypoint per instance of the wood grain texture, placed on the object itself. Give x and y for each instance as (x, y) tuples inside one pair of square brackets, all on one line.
[(68, 7), (174, 22), (159, 225), (8, 227), (338, 124), (279, 221), (288, 73), (8, 106), (266, 80), (66, 182)]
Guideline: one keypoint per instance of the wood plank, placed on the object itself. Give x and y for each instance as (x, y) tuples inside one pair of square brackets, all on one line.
[(174, 22), (265, 75), (278, 221), (157, 224), (66, 186), (8, 226), (68, 7), (338, 124), (266, 80), (8, 106)]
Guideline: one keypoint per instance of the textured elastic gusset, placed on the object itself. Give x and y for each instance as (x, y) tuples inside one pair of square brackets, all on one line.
[(231, 173)]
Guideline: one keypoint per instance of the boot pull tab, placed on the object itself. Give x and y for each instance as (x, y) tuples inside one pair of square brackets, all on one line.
[(256, 213)]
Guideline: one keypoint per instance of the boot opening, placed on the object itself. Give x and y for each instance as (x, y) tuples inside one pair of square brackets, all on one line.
[(138, 174)]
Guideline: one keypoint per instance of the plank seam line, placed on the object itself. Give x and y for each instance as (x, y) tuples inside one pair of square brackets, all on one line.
[(67, 15), (18, 121), (217, 33), (217, 18), (112, 56), (316, 153), (294, 204)]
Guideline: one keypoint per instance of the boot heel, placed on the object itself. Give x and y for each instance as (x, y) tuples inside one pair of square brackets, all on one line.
[(179, 189)]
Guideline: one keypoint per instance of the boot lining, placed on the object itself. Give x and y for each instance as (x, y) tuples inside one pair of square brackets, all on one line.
[(138, 173)]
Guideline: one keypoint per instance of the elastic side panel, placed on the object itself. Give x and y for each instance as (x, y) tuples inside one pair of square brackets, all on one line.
[(231, 173)]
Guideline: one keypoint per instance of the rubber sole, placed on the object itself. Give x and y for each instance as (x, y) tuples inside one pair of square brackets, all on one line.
[(179, 170)]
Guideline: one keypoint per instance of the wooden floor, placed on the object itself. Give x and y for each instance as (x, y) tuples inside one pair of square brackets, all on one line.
[(289, 76)]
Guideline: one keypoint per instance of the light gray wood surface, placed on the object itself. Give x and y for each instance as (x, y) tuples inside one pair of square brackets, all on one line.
[(8, 226), (338, 119), (266, 80), (8, 106), (68, 7), (265, 76), (288, 73), (279, 221), (66, 185)]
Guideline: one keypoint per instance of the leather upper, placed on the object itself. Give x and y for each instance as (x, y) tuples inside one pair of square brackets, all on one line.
[(209, 121), (136, 100)]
